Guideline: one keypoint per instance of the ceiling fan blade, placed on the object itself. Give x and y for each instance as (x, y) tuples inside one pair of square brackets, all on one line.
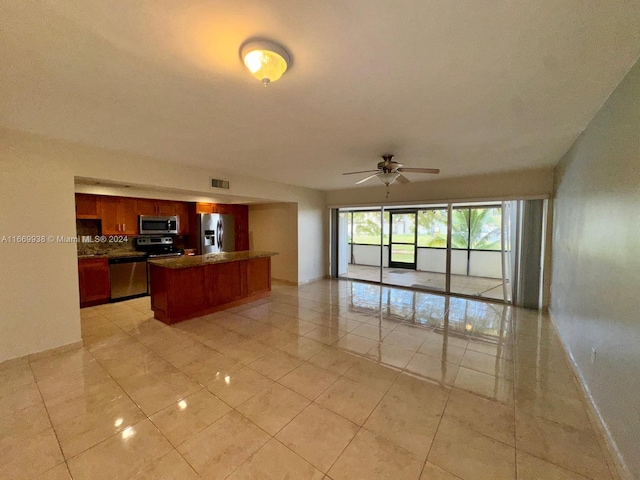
[(419, 170), (367, 178), (364, 171), (402, 179)]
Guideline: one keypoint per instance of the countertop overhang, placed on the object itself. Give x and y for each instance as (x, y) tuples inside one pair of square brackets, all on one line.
[(131, 254), (210, 258)]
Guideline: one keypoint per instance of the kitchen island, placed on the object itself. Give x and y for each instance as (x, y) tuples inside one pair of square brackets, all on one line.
[(192, 286)]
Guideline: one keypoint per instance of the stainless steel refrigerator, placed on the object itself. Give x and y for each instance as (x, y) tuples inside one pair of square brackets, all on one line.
[(217, 233)]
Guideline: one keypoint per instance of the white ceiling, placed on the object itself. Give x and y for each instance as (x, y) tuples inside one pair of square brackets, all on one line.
[(465, 86)]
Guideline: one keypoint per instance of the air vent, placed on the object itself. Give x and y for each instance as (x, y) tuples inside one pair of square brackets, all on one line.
[(218, 183)]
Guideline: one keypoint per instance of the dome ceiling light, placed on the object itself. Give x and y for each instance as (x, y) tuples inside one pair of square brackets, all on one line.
[(265, 60)]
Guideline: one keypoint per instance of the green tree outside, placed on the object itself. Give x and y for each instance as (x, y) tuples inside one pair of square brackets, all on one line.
[(484, 234)]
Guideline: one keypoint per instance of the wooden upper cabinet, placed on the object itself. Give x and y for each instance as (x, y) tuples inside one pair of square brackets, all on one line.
[(204, 207), (156, 207), (241, 213), (108, 208), (182, 210), (119, 215), (144, 206), (86, 206), (129, 215), (166, 207)]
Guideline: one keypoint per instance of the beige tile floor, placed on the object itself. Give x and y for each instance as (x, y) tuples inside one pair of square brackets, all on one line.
[(462, 284), (332, 380)]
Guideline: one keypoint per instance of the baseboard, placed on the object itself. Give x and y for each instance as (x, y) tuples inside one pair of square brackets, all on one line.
[(55, 351), (284, 282), (297, 284), (614, 459), (311, 280), (32, 357)]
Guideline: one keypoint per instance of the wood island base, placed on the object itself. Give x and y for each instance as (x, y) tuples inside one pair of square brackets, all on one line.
[(184, 292)]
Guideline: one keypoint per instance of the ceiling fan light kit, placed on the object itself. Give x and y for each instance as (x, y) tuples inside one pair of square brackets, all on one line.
[(389, 171), (388, 177), (266, 61)]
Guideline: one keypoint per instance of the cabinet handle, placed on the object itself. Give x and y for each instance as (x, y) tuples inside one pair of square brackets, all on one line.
[(124, 227)]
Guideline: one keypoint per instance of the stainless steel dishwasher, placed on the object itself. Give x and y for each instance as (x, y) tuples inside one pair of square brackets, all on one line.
[(128, 277)]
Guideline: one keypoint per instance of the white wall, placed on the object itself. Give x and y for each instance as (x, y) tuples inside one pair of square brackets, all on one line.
[(39, 293), (482, 264), (274, 227), (485, 264), (369, 255), (596, 262), (39, 306), (432, 260)]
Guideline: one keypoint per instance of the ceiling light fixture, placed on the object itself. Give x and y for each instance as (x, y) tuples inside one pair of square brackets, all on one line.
[(388, 178), (265, 60)]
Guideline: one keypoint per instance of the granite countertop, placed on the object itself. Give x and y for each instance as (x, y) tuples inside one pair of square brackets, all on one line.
[(210, 258), (132, 253)]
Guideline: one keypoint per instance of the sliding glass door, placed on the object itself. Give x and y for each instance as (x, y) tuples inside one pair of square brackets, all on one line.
[(432, 248), (466, 249), (360, 244), (476, 251)]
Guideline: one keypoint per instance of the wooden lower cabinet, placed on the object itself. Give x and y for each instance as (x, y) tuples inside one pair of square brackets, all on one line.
[(258, 275), (94, 281), (224, 282), (179, 294)]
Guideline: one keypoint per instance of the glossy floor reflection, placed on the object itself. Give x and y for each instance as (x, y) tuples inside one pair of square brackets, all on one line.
[(332, 380), (461, 284)]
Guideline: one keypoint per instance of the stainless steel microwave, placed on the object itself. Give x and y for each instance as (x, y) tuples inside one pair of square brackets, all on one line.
[(150, 225)]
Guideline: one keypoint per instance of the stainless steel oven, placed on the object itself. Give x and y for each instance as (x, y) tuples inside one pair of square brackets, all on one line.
[(152, 225), (157, 247)]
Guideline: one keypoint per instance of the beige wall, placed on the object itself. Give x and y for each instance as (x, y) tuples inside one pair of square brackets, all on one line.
[(39, 286), (313, 240), (506, 185), (274, 227), (596, 263), (38, 282)]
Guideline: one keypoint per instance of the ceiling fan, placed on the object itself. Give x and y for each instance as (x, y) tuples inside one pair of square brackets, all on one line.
[(389, 171)]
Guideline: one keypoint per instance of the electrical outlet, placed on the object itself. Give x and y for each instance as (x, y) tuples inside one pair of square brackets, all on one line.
[(593, 354)]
